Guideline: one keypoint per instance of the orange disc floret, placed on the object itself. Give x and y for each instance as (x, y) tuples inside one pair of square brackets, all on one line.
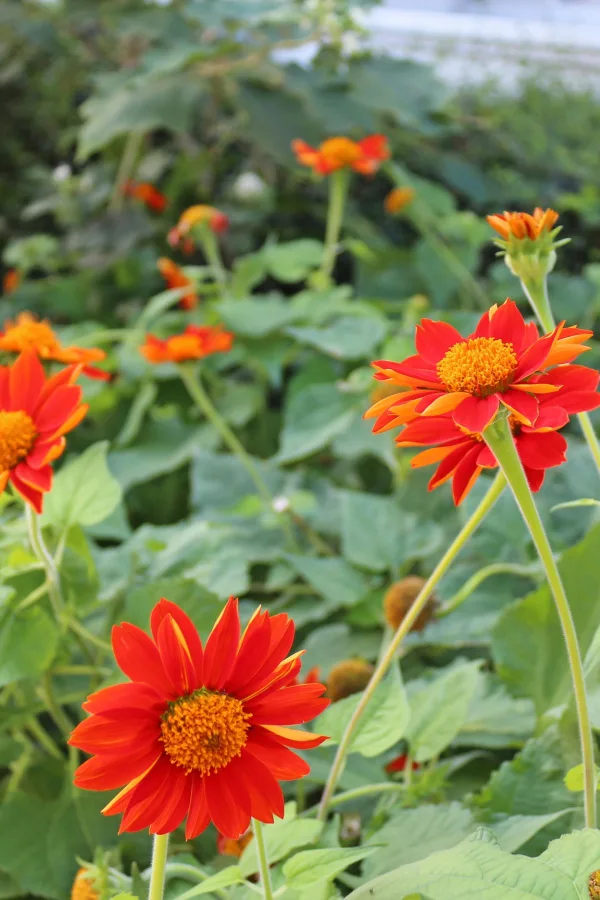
[(196, 342), (200, 732), (475, 377), (337, 153), (522, 225), (348, 677), (83, 887), (594, 885), (11, 281), (399, 598), (35, 414), (176, 278), (26, 332), (398, 199), (147, 194)]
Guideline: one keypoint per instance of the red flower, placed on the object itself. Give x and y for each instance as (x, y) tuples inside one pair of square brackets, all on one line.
[(399, 764), (472, 377), (11, 281), (343, 153), (462, 455), (233, 847), (176, 278), (147, 194), (523, 225), (35, 414), (216, 220), (196, 342), (201, 733)]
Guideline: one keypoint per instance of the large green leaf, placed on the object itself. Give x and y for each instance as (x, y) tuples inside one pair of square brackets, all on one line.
[(309, 867), (283, 836), (28, 643), (495, 718), (312, 418), (382, 724), (479, 868), (439, 710), (333, 578), (201, 606), (544, 675), (84, 492), (349, 337)]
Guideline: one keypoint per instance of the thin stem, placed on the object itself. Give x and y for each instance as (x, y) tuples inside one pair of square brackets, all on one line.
[(338, 188), (195, 389), (405, 626), (210, 245), (41, 735), (41, 551), (536, 291), (477, 579), (263, 860), (500, 441), (126, 167), (159, 860)]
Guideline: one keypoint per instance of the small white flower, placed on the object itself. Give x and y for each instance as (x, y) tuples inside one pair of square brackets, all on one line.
[(249, 186), (280, 504), (62, 172)]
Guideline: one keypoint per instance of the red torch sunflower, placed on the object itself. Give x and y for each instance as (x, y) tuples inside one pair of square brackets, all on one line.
[(338, 153), (462, 455), (176, 278), (35, 414), (195, 342), (147, 194), (201, 733), (472, 377)]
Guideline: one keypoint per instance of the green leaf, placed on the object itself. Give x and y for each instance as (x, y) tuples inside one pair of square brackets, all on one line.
[(281, 838), (495, 719), (439, 710), (167, 102), (293, 260), (28, 643), (349, 337), (413, 834), (532, 622), (225, 878), (309, 867), (479, 868), (312, 418), (257, 318), (124, 897), (382, 724), (333, 578), (84, 492), (201, 606), (514, 832)]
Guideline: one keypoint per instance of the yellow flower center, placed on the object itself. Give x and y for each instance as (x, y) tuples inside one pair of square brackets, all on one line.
[(17, 437), (340, 151), (204, 731), (27, 332), (479, 366)]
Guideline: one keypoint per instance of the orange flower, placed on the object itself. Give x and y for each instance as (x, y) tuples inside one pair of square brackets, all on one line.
[(398, 198), (196, 342), (216, 220), (11, 281), (475, 377), (35, 414), (26, 332), (230, 847), (343, 153), (522, 225), (83, 887), (147, 194), (199, 732), (175, 278)]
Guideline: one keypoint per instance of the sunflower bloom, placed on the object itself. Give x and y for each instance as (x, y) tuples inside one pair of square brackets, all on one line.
[(35, 414), (28, 333), (11, 281), (473, 377), (338, 153), (200, 732), (175, 278), (216, 220), (147, 194), (398, 199), (83, 887), (399, 764), (521, 225), (196, 342)]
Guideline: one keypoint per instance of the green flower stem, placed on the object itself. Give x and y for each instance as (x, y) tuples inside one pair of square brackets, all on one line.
[(477, 579), (405, 626), (210, 245), (41, 551), (500, 441), (263, 860), (536, 291), (133, 145), (338, 189), (194, 386), (159, 861)]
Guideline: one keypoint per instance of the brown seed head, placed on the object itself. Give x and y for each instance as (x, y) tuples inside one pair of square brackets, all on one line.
[(399, 598), (348, 677)]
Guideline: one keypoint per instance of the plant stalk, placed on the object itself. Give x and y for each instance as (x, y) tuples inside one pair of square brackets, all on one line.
[(338, 189), (159, 860), (263, 860), (405, 626), (500, 441), (41, 551)]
